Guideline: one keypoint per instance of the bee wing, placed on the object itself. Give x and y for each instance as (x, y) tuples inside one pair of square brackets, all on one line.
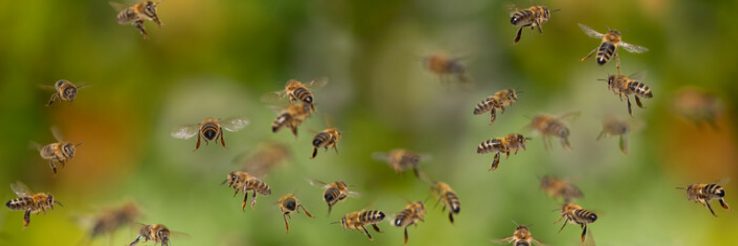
[(235, 124), (589, 31), (118, 6), (572, 115), (318, 183), (20, 189), (723, 181), (506, 240), (274, 97), (425, 157), (46, 87), (588, 239), (632, 48), (317, 83), (354, 194), (185, 132), (179, 234), (380, 156), (57, 133)]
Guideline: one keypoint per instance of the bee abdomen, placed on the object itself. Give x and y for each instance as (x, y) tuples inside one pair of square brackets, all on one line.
[(605, 52), (640, 89), (521, 16), (19, 203), (453, 201), (584, 216), (488, 146), (484, 106), (280, 121), (303, 95), (259, 186), (372, 216), (321, 139)]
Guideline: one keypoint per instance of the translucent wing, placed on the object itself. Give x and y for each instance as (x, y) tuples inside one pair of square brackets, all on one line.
[(632, 48), (317, 83), (185, 132), (20, 189), (380, 156), (354, 194), (571, 115), (118, 6), (506, 240), (235, 124), (315, 182), (57, 133), (273, 98), (47, 87), (589, 239), (590, 32)]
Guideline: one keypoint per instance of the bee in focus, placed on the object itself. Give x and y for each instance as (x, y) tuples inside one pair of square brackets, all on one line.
[(297, 92), (521, 237), (245, 182), (210, 129), (552, 126), (112, 219), (59, 153), (64, 91), (615, 127), (360, 219), (334, 192), (532, 17), (30, 203), (288, 204), (560, 188), (326, 139), (445, 66), (402, 160), (413, 212), (623, 85), (575, 214), (509, 143), (266, 157), (703, 193), (498, 100), (449, 198), (608, 48), (291, 117), (136, 14), (697, 106), (157, 233)]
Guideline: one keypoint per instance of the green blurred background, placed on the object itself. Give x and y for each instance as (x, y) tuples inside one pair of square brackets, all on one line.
[(216, 58)]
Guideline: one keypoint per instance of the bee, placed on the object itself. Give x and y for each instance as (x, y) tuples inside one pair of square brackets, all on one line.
[(210, 129), (575, 214), (288, 204), (697, 106), (401, 160), (30, 203), (555, 187), (298, 92), (360, 219), (157, 233), (112, 219), (498, 100), (64, 91), (615, 127), (413, 212), (291, 117), (444, 193), (326, 138), (334, 192), (521, 237), (549, 125), (703, 193), (444, 66), (508, 143), (608, 48), (245, 182), (59, 153), (265, 158), (623, 85), (136, 15), (532, 17)]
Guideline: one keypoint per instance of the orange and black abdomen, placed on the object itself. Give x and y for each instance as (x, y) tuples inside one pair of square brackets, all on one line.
[(303, 94), (489, 146), (372, 217), (582, 216), (210, 131), (640, 89), (484, 106), (714, 190), (605, 52)]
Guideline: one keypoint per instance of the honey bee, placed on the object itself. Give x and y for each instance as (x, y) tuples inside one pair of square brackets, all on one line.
[(334, 192), (698, 106), (326, 139), (608, 48), (615, 127), (210, 129), (703, 193), (555, 187), (401, 160), (521, 237), (288, 204), (360, 219), (157, 233), (549, 125), (498, 100), (136, 14), (444, 66), (64, 91), (444, 193), (30, 203), (292, 117), (298, 92), (623, 85), (245, 182), (267, 156), (413, 212), (112, 219), (509, 143), (59, 153), (532, 17), (575, 214)]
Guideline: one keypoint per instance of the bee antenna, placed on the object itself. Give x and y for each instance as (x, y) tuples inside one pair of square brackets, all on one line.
[(680, 188), (58, 203), (77, 145), (554, 10), (335, 222)]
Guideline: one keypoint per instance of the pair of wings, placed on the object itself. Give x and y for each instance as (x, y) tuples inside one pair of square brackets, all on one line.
[(627, 46), (276, 97), (231, 125), (318, 183), (20, 189)]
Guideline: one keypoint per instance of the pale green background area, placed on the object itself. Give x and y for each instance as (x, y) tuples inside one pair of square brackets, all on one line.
[(216, 58)]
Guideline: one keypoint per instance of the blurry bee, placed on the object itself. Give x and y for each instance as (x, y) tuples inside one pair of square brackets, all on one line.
[(532, 17), (210, 129), (623, 85), (509, 143), (31, 203), (444, 193), (136, 14), (267, 156), (59, 153), (292, 117), (697, 106), (298, 92), (703, 193), (608, 48), (401, 160), (413, 212), (575, 214), (521, 237), (111, 219), (326, 138), (334, 192), (157, 233), (288, 204), (245, 182), (360, 219), (615, 127), (444, 66), (555, 187), (498, 100), (64, 91), (549, 125)]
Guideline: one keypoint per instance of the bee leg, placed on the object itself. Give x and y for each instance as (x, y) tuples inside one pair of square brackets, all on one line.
[(253, 201), (416, 172), (602, 134), (565, 143), (518, 34), (492, 116), (630, 112), (222, 140), (335, 147), (495, 162), (139, 24), (286, 224), (638, 101), (376, 228), (315, 153), (306, 212), (623, 144), (538, 26), (707, 203), (245, 199), (330, 208), (723, 203), (52, 166), (53, 99), (451, 217), (367, 233), (26, 218), (564, 225), (197, 144), (135, 241), (405, 242), (294, 130), (584, 231), (589, 55)]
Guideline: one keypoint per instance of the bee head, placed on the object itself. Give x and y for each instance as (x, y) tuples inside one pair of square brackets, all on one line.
[(69, 149), (513, 94), (614, 32)]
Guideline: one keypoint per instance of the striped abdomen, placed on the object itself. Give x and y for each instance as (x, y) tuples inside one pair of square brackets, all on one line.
[(713, 191), (281, 121), (581, 216), (522, 17), (52, 152), (557, 128), (371, 217), (210, 131), (303, 94), (452, 201), (333, 195), (605, 52), (491, 145), (322, 139), (21, 203), (258, 186), (484, 106), (640, 89)]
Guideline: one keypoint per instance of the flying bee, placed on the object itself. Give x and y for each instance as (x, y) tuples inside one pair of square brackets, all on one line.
[(444, 66), (334, 192), (697, 106), (556, 187), (298, 92), (413, 212), (552, 126), (64, 91), (615, 127), (210, 129), (291, 117), (623, 85), (402, 160), (157, 233), (30, 203), (267, 156), (498, 100), (288, 204), (703, 193), (521, 237), (532, 17), (450, 200), (575, 214), (59, 153), (360, 219), (326, 139), (509, 143), (110, 220), (608, 48), (136, 14), (245, 182)]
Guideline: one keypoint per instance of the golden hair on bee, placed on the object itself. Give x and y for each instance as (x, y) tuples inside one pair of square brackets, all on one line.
[(210, 129), (575, 214), (497, 101), (358, 220), (449, 198), (410, 215), (29, 202), (703, 193), (533, 17), (297, 92), (521, 237), (287, 205), (157, 233), (137, 14), (334, 192), (327, 138), (625, 86), (241, 181), (502, 145), (292, 117), (609, 44), (58, 153), (64, 91)]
